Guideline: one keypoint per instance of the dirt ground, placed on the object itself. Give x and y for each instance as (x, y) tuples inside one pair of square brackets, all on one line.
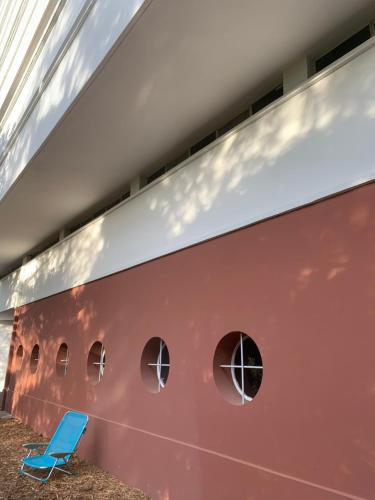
[(87, 483)]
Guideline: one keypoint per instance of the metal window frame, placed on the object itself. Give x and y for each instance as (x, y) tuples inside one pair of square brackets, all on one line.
[(159, 364), (233, 366), (65, 362), (101, 363), (35, 359)]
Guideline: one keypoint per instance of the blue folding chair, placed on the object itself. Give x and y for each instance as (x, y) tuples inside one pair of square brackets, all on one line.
[(59, 450)]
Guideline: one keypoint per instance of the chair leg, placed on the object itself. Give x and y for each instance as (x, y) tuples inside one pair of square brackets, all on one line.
[(64, 471), (41, 480)]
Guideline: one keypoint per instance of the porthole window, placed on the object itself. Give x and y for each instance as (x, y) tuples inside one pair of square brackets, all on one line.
[(238, 368), (62, 360), (96, 362), (19, 356), (34, 359), (155, 364)]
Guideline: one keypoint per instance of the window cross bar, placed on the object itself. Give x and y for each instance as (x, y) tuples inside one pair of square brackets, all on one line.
[(244, 366)]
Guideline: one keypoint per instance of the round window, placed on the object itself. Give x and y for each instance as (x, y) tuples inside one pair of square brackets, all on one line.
[(19, 356), (34, 359), (96, 362), (238, 368), (155, 364), (62, 360)]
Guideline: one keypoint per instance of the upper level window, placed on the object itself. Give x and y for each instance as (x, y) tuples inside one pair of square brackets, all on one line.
[(203, 142), (343, 48), (265, 100)]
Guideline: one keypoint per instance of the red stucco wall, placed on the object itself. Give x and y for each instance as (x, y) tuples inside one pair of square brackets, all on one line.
[(302, 285)]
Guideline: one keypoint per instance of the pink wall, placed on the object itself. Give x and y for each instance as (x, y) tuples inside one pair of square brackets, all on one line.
[(302, 285)]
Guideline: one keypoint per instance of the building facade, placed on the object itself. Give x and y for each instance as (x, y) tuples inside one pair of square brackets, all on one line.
[(187, 251)]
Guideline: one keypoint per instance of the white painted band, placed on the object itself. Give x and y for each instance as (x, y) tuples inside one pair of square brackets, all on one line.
[(314, 143)]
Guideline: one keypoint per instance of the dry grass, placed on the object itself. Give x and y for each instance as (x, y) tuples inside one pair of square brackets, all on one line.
[(87, 483)]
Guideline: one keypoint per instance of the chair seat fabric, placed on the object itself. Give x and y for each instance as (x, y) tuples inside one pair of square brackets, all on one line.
[(42, 462)]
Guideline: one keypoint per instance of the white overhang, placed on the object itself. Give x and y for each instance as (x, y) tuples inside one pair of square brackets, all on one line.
[(181, 70)]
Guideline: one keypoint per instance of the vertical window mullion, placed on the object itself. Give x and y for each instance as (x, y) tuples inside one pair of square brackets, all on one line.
[(159, 365), (101, 363), (66, 362), (242, 374)]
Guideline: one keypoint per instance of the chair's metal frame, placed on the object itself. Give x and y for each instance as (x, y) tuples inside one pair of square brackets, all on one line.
[(57, 456)]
